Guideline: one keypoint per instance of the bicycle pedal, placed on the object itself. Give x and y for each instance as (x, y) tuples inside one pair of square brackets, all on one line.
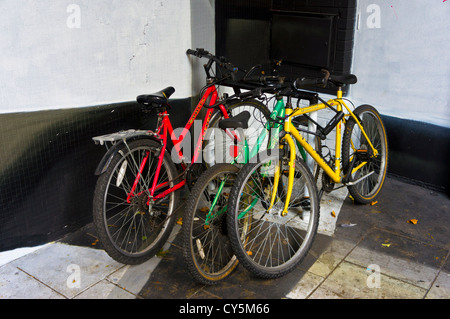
[(364, 154)]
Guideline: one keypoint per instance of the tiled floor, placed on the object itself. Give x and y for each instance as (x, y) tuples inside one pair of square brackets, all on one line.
[(380, 256)]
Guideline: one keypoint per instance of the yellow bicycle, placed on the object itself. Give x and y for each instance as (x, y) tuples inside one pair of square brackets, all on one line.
[(274, 208)]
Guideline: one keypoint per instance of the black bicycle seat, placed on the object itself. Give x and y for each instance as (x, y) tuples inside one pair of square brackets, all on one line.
[(340, 80), (238, 121), (158, 99)]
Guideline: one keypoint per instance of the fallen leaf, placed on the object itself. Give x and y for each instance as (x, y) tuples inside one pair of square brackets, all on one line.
[(249, 253), (180, 221), (162, 253), (386, 245), (333, 214), (374, 203), (413, 221)]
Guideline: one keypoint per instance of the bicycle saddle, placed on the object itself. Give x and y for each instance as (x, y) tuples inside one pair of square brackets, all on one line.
[(340, 80), (238, 121), (158, 99)]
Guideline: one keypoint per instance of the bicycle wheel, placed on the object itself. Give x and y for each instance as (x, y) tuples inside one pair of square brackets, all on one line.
[(267, 243), (206, 249), (131, 228), (216, 147), (355, 147)]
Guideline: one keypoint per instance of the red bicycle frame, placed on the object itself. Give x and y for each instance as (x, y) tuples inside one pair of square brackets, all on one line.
[(165, 129)]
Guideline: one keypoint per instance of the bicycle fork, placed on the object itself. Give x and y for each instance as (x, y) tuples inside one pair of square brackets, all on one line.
[(277, 175), (292, 155)]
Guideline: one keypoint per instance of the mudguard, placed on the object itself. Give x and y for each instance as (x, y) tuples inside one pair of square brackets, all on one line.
[(118, 146)]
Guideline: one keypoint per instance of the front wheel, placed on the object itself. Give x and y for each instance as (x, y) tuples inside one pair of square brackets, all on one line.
[(266, 241), (366, 170), (132, 228), (206, 249)]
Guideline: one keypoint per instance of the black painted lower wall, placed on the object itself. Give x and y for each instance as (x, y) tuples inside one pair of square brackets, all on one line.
[(48, 159), (47, 165), (419, 152)]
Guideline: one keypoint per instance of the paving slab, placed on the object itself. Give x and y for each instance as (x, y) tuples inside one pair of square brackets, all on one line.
[(16, 284), (330, 206), (400, 257), (399, 203), (171, 280), (305, 286), (441, 287), (350, 281), (69, 270), (104, 289), (331, 256)]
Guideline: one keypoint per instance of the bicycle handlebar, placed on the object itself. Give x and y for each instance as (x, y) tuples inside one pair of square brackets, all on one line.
[(199, 53), (255, 93), (264, 83), (192, 52), (250, 94), (265, 79), (221, 61)]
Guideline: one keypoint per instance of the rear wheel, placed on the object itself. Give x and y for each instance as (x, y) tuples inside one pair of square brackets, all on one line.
[(369, 170), (131, 227)]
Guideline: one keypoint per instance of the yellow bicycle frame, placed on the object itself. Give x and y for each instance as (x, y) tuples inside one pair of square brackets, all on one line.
[(334, 174)]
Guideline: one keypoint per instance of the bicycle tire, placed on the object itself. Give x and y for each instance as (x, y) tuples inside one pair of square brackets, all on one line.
[(367, 190), (250, 231), (128, 229), (260, 116), (207, 251)]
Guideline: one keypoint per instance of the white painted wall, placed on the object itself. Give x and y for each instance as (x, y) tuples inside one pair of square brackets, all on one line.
[(118, 49), (402, 58), (203, 36), (72, 53)]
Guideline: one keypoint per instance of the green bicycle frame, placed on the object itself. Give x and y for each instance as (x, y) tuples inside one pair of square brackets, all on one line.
[(275, 129)]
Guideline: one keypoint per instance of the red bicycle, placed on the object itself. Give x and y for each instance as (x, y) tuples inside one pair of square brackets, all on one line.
[(135, 198)]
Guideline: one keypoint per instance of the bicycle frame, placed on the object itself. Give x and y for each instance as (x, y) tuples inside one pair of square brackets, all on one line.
[(336, 173), (278, 112), (165, 131)]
